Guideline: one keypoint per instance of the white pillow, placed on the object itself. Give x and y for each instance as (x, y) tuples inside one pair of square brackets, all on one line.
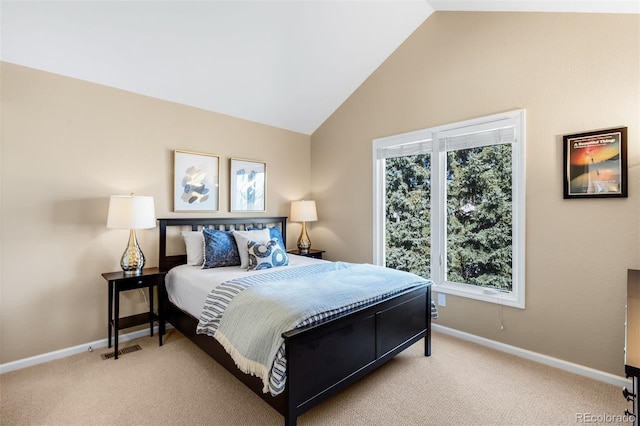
[(194, 242), (260, 236)]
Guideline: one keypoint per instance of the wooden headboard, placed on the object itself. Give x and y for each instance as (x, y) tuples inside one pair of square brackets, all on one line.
[(166, 262)]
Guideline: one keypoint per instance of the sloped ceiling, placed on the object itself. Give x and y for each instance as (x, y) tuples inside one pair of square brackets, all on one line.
[(288, 64)]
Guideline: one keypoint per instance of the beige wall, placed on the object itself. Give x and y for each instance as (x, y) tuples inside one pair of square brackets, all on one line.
[(572, 73), (67, 145)]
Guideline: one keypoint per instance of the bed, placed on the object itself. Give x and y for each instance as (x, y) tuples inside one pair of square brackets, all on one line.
[(321, 358)]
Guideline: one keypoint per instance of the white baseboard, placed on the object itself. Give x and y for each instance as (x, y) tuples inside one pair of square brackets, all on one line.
[(62, 353), (513, 350), (534, 356)]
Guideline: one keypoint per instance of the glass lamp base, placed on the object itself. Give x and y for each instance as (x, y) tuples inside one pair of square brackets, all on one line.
[(304, 243), (132, 260)]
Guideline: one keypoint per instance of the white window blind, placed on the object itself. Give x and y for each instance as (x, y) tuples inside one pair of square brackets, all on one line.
[(492, 132), (414, 148)]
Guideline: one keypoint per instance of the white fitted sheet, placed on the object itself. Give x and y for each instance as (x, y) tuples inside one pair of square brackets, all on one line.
[(188, 286)]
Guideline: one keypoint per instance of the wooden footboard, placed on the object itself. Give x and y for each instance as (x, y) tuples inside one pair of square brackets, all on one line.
[(324, 359)]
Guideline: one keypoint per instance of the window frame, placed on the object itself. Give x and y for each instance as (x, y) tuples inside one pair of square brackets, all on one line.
[(430, 141)]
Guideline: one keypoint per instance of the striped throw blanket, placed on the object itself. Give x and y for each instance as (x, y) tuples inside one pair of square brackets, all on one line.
[(248, 315)]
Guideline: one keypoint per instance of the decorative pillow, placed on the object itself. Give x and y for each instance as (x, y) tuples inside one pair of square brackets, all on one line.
[(274, 232), (219, 249), (194, 242), (242, 240), (270, 255)]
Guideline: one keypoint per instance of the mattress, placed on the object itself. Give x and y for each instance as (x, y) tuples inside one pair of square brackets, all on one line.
[(188, 286)]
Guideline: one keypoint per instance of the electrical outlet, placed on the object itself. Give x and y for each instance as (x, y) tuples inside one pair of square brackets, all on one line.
[(442, 299)]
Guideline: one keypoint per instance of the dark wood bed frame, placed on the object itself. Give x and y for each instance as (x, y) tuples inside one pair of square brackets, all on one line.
[(321, 359)]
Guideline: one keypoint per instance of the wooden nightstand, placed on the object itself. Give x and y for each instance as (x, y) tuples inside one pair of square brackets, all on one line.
[(316, 254), (118, 282)]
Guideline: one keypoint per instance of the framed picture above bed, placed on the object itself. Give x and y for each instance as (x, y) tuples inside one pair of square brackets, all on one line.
[(196, 178), (247, 185), (595, 164)]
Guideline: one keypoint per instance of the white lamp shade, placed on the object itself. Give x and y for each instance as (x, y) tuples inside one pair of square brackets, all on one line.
[(303, 211), (131, 212)]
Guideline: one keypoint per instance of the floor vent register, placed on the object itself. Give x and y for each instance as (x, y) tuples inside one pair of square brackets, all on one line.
[(121, 352)]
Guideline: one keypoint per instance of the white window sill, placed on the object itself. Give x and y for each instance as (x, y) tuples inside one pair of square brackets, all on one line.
[(480, 293)]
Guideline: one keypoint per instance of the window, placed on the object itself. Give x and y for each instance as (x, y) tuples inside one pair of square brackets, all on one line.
[(449, 204)]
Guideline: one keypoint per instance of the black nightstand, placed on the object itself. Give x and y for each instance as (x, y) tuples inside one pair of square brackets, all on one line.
[(119, 281), (316, 254)]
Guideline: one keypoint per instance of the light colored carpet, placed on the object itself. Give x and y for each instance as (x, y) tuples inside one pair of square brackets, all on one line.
[(177, 384)]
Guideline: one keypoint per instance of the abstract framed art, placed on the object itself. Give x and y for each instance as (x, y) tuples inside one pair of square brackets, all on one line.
[(196, 178), (247, 186), (595, 164)]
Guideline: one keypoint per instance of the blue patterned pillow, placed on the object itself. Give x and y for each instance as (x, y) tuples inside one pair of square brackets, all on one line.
[(266, 256), (220, 249), (274, 232)]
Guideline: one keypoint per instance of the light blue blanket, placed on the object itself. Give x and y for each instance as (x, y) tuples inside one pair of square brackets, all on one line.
[(265, 306)]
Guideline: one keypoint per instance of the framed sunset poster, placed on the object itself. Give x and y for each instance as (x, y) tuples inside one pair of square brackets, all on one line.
[(195, 182), (595, 164)]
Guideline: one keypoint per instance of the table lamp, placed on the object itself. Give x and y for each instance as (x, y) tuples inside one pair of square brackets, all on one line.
[(303, 211), (131, 212)]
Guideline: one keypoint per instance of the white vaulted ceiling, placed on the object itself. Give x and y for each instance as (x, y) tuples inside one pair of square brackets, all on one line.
[(288, 64)]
